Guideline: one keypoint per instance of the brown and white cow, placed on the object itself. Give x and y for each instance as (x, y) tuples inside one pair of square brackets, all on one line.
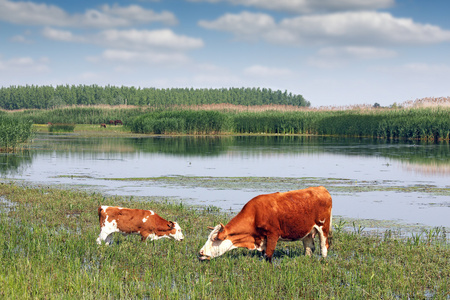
[(135, 221), (265, 219)]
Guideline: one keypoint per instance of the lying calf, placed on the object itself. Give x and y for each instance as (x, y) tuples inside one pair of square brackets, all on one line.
[(135, 221)]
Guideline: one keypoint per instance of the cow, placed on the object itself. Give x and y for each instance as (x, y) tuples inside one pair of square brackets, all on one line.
[(118, 122), (103, 125), (135, 221), (265, 219)]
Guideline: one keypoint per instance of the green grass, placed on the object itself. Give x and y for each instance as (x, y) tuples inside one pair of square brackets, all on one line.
[(48, 250)]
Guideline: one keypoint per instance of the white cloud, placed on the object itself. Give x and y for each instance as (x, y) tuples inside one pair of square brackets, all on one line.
[(349, 28), (245, 25), (61, 35), (309, 6), (24, 65), (30, 13), (145, 39), (164, 39), (263, 71), (136, 57), (331, 57), (417, 69), (21, 39)]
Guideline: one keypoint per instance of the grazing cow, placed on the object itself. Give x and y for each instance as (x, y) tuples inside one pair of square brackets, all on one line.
[(103, 125), (118, 122), (265, 219), (111, 122), (135, 221)]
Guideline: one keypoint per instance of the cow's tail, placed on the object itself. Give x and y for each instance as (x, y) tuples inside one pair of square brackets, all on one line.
[(101, 215), (330, 230)]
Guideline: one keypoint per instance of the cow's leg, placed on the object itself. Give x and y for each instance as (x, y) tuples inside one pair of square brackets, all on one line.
[(105, 236), (308, 243), (108, 239), (270, 246), (323, 241)]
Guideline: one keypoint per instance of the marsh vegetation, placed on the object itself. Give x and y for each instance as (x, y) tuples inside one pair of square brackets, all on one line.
[(48, 250)]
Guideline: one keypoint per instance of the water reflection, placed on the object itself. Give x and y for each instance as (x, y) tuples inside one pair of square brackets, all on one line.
[(14, 163)]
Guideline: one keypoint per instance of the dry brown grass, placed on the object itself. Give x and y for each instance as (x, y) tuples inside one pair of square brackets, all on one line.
[(226, 107), (428, 102)]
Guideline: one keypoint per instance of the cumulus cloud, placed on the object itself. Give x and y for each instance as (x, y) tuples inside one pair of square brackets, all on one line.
[(263, 71), (309, 6), (245, 25), (144, 39), (346, 28), (330, 57), (164, 39), (30, 13), (61, 35), (24, 65), (138, 57)]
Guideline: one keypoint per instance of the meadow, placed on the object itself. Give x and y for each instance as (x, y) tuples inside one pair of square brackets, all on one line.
[(48, 251)]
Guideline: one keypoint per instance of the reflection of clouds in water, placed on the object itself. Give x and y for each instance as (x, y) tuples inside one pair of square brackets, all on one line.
[(427, 169)]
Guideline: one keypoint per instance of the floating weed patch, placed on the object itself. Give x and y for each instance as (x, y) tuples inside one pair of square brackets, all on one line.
[(340, 185), (46, 254)]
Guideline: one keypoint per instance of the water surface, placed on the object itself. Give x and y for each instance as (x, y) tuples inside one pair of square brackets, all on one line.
[(95, 163)]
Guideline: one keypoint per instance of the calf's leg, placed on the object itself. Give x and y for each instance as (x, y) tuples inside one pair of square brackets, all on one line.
[(308, 243)]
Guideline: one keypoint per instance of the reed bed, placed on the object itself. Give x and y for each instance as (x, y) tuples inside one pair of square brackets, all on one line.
[(48, 250), (411, 123), (14, 132)]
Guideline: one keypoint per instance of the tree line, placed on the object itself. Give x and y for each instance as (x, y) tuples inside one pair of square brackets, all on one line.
[(45, 97)]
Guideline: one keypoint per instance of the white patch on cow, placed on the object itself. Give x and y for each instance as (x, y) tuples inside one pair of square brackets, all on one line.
[(106, 232), (146, 218), (322, 238), (214, 248)]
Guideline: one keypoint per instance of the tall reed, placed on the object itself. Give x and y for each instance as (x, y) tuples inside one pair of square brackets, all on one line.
[(14, 131)]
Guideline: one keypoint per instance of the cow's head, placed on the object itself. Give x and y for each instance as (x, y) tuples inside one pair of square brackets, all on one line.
[(217, 243), (175, 231)]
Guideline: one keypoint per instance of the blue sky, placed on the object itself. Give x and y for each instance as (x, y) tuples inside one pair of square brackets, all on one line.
[(333, 52)]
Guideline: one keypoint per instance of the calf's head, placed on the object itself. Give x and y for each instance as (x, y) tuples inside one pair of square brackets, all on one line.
[(175, 231), (217, 243)]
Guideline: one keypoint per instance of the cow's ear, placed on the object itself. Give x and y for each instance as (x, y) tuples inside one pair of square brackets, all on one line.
[(171, 224), (210, 228), (222, 227)]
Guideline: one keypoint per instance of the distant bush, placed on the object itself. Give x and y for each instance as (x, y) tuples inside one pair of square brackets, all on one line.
[(61, 127)]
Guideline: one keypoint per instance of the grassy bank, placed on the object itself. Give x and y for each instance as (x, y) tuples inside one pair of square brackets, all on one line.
[(48, 250)]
